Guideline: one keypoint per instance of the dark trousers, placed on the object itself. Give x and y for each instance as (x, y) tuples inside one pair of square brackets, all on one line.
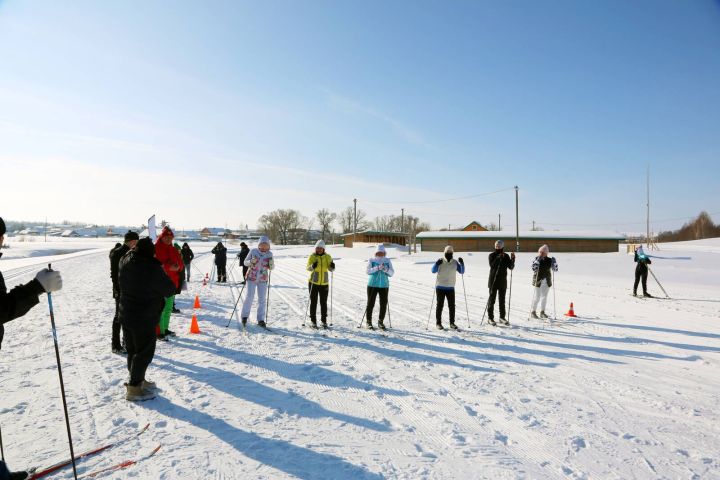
[(116, 327), (491, 302), (140, 344), (315, 292), (222, 273), (187, 271), (640, 273), (441, 296), (245, 269), (372, 293)]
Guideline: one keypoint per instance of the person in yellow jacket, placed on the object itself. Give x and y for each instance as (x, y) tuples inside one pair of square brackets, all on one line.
[(319, 264)]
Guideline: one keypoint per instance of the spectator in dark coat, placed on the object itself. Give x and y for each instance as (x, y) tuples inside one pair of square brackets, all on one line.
[(16, 303), (187, 256), (244, 251), (116, 254), (220, 253), (499, 262), (144, 286)]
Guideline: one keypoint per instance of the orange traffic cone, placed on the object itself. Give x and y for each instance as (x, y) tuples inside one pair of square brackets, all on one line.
[(194, 327), (197, 302), (571, 312)]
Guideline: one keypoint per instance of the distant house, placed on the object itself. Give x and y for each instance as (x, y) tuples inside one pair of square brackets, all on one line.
[(69, 234), (474, 227), (484, 241), (208, 233), (29, 231), (370, 237)]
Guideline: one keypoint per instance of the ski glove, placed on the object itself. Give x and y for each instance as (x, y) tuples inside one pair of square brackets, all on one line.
[(332, 265), (554, 265), (461, 261), (271, 264), (314, 265), (438, 263), (49, 279)]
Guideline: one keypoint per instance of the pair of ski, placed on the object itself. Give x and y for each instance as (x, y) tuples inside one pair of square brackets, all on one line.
[(44, 472)]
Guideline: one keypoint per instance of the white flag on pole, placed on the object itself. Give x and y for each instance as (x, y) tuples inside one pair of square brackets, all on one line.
[(152, 229)]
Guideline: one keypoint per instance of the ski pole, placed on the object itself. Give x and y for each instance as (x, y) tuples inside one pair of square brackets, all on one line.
[(388, 309), (467, 311), (492, 287), (509, 309), (554, 302), (535, 288), (267, 297), (427, 325), (236, 304), (332, 281), (62, 383), (363, 317), (307, 307), (2, 450), (658, 282)]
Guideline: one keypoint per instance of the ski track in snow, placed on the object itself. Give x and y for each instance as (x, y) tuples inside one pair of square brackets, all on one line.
[(626, 390)]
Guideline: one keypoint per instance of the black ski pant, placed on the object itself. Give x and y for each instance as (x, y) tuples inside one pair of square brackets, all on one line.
[(140, 342), (640, 273), (221, 272), (315, 292), (372, 293), (187, 271), (245, 270), (494, 293), (116, 327), (443, 294)]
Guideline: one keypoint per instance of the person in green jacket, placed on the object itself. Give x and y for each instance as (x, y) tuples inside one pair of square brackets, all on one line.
[(319, 265)]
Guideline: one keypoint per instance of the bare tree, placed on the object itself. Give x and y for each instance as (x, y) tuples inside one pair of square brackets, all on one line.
[(346, 218), (325, 218), (283, 225)]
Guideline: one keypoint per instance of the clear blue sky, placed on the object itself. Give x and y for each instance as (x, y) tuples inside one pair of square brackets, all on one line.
[(212, 113)]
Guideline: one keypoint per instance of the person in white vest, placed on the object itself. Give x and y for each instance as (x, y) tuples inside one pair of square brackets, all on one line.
[(446, 269)]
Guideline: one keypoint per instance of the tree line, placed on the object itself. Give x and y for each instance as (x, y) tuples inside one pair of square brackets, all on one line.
[(291, 227), (699, 228)]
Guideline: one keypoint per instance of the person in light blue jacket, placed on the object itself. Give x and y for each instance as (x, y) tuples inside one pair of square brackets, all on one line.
[(380, 270)]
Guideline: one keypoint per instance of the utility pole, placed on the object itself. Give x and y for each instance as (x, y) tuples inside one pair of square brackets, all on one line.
[(648, 207), (402, 225), (533, 225), (517, 222), (354, 220), (499, 227), (46, 229)]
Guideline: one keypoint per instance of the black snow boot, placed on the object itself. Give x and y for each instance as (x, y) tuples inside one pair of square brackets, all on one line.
[(19, 475), (324, 323), (381, 325), (491, 321), (313, 323), (439, 326), (244, 321), (262, 324), (647, 295), (453, 326)]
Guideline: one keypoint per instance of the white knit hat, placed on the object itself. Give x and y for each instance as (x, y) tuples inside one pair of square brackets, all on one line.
[(449, 249), (380, 248), (264, 239), (544, 248), (499, 244), (320, 244)]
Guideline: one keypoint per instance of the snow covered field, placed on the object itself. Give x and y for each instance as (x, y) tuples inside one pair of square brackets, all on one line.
[(630, 389)]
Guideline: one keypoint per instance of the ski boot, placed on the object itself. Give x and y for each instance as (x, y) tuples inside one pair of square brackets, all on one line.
[(453, 326), (324, 324), (504, 321), (543, 315), (313, 323), (244, 321), (381, 325), (262, 324), (138, 394), (170, 333), (491, 321), (369, 325), (647, 295), (534, 315), (439, 326), (119, 350)]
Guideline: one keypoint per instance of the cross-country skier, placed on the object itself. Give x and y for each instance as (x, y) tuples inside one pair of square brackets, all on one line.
[(446, 269), (542, 279), (16, 303), (220, 253), (131, 238), (187, 255), (641, 271), (380, 270), (173, 265), (499, 262), (144, 286), (242, 255), (259, 262), (319, 264)]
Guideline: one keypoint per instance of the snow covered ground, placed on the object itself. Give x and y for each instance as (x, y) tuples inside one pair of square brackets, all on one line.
[(627, 390)]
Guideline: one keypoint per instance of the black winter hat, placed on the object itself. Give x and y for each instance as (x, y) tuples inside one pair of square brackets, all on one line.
[(130, 235), (2, 226), (145, 247)]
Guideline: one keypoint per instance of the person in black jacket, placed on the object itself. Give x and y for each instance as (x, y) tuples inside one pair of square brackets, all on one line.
[(16, 303), (641, 271), (144, 286), (220, 253), (244, 251), (116, 254), (499, 262), (187, 255), (543, 266)]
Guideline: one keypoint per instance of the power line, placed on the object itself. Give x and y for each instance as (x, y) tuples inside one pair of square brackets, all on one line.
[(441, 200), (619, 223)]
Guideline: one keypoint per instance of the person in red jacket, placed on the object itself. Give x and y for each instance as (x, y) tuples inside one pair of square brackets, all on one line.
[(172, 263)]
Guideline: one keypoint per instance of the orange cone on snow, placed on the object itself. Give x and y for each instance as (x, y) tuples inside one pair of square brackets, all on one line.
[(571, 312), (194, 327), (197, 302)]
